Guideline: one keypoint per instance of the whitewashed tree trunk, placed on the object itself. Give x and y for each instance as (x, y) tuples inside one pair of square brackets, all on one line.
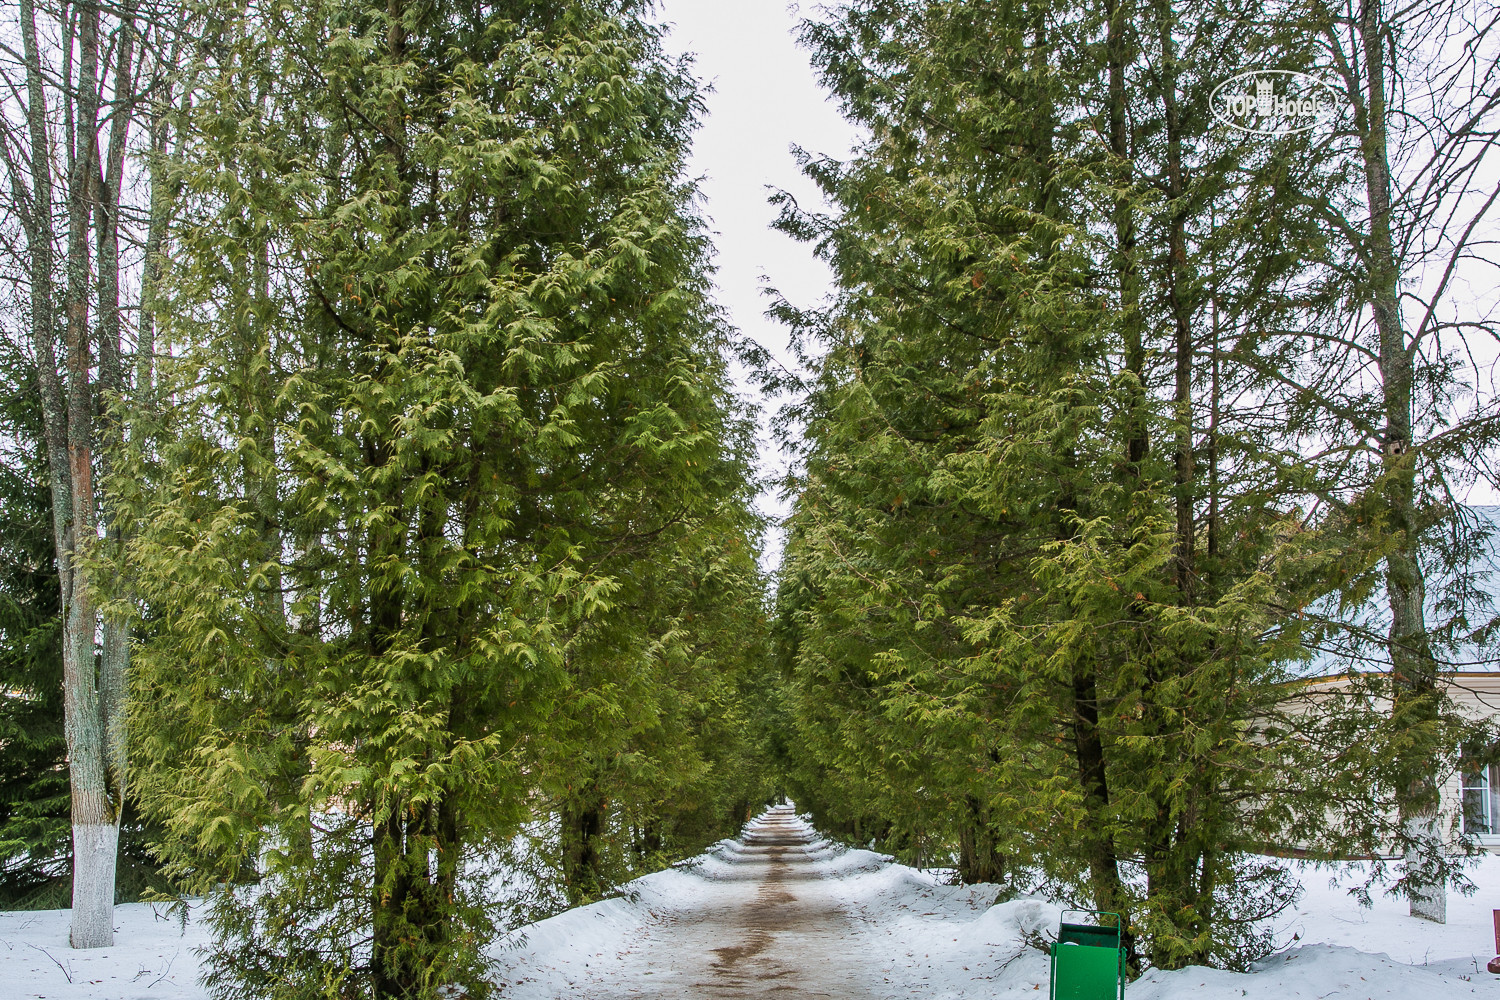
[(69, 96), (1429, 894), (95, 808), (94, 851)]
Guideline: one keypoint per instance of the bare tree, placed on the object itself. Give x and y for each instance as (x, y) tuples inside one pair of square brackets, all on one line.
[(1422, 84), (82, 77)]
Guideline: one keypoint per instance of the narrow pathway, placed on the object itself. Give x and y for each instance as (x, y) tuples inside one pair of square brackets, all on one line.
[(766, 924)]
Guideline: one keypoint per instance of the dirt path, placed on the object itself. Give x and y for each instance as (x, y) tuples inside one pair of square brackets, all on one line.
[(766, 925)]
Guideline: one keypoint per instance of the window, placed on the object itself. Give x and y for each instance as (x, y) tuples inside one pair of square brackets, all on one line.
[(1481, 805)]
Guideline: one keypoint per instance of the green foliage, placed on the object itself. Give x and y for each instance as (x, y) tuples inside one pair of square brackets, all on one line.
[(445, 522), (34, 833), (1042, 606), (652, 754)]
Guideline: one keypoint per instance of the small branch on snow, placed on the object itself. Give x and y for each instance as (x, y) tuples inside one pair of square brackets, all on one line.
[(67, 972), (167, 972)]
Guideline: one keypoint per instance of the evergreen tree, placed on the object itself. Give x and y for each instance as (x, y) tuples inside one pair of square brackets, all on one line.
[(651, 756), (33, 773), (1053, 542), (449, 443)]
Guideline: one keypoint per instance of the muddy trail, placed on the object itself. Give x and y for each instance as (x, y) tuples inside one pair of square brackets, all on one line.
[(767, 924)]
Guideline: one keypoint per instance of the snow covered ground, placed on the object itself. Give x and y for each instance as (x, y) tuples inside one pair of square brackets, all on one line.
[(901, 933), (782, 910), (152, 958), (1327, 914)]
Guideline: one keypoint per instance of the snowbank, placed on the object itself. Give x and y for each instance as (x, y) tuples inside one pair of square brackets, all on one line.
[(1320, 970), (1327, 914)]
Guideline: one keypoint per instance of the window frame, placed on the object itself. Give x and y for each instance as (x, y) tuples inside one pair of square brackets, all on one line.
[(1485, 781)]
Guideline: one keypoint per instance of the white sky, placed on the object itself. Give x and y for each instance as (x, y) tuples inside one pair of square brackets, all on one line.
[(764, 100)]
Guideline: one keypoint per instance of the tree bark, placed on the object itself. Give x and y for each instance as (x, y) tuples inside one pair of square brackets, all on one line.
[(1181, 308), (978, 861), (74, 396), (114, 659), (1099, 844), (582, 826), (1413, 668), (1137, 434), (95, 811)]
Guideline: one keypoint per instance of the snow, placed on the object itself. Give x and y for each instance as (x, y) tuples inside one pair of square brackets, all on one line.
[(860, 926), (152, 957), (918, 937), (1328, 914)]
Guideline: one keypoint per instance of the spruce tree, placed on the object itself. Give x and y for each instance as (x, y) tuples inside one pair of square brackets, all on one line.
[(33, 772)]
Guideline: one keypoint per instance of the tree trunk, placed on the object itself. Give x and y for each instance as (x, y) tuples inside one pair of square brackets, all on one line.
[(1184, 569), (1137, 433), (114, 658), (92, 705), (388, 972), (978, 861), (648, 840), (1413, 668), (1100, 849), (95, 800), (582, 826), (1098, 841)]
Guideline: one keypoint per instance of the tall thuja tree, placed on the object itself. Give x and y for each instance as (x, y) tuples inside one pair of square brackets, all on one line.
[(1039, 606), (645, 759), (652, 754), (448, 390), (914, 349), (883, 556)]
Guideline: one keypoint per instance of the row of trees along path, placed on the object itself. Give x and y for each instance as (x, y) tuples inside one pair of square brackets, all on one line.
[(384, 429)]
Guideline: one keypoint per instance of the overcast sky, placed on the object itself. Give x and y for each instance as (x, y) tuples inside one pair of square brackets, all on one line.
[(764, 100)]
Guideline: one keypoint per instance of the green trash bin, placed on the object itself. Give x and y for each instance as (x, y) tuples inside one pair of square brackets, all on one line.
[(1088, 959)]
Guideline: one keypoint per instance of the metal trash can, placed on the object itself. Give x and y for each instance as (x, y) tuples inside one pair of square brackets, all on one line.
[(1088, 959)]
